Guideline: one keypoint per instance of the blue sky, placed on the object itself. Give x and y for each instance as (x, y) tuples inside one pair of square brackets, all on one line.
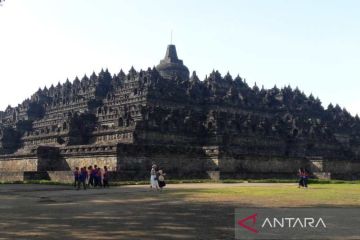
[(310, 44)]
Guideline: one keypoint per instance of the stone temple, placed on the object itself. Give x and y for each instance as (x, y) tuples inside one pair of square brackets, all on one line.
[(218, 127)]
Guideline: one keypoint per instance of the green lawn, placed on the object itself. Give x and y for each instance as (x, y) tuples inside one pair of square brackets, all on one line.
[(259, 193), (276, 195), (180, 211)]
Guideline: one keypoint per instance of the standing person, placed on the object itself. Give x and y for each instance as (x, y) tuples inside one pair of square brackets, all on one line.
[(301, 177), (76, 176), (82, 178), (98, 177), (94, 173), (305, 177), (161, 179), (105, 177), (153, 179), (86, 173), (91, 176)]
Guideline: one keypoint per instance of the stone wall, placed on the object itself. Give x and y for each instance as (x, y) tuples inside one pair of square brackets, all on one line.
[(100, 160), (10, 163), (177, 161), (61, 176), (11, 176), (349, 170), (235, 165), (259, 166), (133, 162), (80, 156)]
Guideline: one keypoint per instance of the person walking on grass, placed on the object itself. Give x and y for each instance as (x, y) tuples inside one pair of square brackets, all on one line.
[(82, 178), (301, 177), (91, 176), (98, 177), (161, 179), (305, 177), (76, 176), (105, 177), (94, 174), (86, 173), (153, 178)]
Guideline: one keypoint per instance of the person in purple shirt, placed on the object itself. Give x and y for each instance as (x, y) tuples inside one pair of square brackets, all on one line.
[(306, 177), (82, 178)]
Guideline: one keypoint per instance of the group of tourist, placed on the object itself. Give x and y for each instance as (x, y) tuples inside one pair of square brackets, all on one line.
[(157, 178), (97, 177), (303, 174), (91, 177), (87, 177)]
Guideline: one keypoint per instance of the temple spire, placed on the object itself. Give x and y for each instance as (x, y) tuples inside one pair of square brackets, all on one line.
[(171, 55), (171, 66)]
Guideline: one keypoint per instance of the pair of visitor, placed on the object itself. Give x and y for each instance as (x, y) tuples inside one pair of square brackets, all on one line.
[(304, 176), (95, 176), (157, 178), (80, 177)]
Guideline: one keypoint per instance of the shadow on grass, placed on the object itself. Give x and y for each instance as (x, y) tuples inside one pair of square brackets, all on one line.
[(115, 213), (112, 214)]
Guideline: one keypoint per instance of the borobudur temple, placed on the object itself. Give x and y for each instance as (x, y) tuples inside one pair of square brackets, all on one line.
[(216, 128)]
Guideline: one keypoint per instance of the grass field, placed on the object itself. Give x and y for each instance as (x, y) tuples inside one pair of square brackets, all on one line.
[(277, 195), (181, 211)]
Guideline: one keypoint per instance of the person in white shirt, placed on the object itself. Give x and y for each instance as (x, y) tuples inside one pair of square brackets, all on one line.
[(153, 179)]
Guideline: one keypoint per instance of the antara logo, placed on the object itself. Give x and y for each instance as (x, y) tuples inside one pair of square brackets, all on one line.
[(251, 217), (285, 222), (291, 222)]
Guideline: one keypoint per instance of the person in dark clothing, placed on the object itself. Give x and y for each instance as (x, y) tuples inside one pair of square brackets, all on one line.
[(105, 177), (305, 177), (98, 177), (161, 179), (82, 178), (301, 178), (91, 176), (76, 176), (94, 174)]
